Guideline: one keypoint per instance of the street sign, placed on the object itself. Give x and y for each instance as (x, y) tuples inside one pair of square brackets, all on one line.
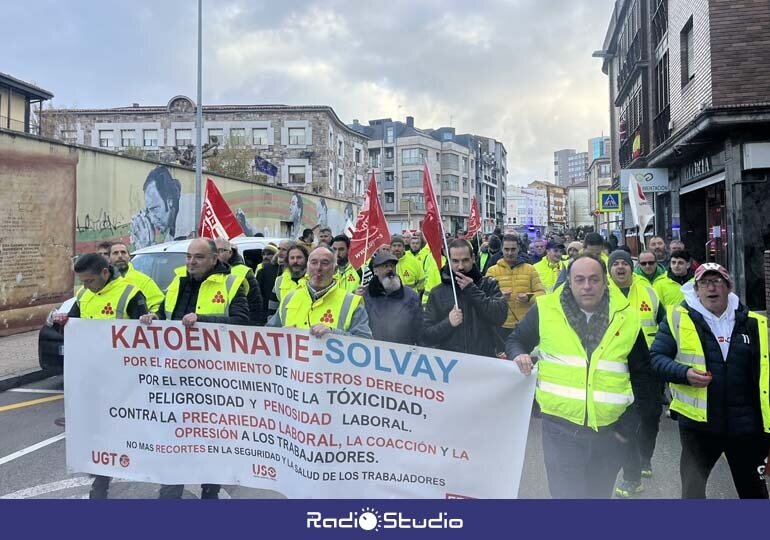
[(651, 180), (609, 201)]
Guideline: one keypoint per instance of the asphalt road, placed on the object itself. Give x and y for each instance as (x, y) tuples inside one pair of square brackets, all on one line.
[(32, 457)]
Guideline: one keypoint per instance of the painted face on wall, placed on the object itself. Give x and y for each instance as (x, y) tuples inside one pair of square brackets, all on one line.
[(158, 209), (295, 213)]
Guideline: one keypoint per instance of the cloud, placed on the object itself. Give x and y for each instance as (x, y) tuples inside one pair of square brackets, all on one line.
[(519, 70)]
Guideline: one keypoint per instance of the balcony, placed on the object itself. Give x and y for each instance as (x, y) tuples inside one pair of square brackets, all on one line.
[(626, 151), (660, 129), (389, 207), (18, 125), (452, 208), (387, 162), (632, 59)]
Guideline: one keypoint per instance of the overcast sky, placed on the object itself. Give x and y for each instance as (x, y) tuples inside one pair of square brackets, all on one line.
[(519, 71)]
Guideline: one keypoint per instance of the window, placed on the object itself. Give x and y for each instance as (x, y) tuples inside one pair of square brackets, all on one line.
[(465, 164), (411, 179), (359, 186), (259, 137), (465, 185), (438, 157), (450, 161), (150, 137), (331, 139), (451, 204), (389, 135), (340, 149), (389, 153), (183, 137), (389, 197), (340, 182), (447, 136), (297, 136), (450, 182), (296, 174), (687, 53), (374, 158), (412, 156), (105, 138), (238, 137), (358, 156), (127, 137), (466, 205), (69, 136), (411, 202), (331, 177), (389, 177), (216, 136)]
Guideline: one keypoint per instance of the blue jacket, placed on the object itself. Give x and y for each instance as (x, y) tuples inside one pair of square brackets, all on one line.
[(733, 393)]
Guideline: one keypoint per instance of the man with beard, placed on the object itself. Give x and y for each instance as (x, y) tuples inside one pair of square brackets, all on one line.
[(395, 311), (270, 272), (658, 247), (348, 277), (669, 285), (205, 291), (408, 268), (228, 254), (469, 326), (294, 274), (319, 304), (119, 259), (325, 236)]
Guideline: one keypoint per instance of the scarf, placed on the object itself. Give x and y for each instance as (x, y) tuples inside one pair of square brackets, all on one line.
[(590, 332)]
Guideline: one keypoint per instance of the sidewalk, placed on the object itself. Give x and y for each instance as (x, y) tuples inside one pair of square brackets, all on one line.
[(18, 360)]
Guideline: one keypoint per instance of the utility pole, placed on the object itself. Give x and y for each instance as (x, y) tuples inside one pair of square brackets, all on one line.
[(199, 120)]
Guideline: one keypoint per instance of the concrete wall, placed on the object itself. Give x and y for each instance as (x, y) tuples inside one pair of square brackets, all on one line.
[(37, 229), (62, 200)]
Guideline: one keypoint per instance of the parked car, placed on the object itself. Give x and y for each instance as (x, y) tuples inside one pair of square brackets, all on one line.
[(158, 262)]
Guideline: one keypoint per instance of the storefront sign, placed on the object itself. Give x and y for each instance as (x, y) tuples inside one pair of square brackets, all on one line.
[(651, 180), (696, 169)]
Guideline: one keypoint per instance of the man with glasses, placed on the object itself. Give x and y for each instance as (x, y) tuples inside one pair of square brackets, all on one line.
[(714, 353), (648, 267), (319, 304), (203, 291)]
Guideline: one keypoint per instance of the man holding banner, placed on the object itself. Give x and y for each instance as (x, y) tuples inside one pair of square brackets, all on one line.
[(593, 377), (320, 304), (468, 324), (203, 291)]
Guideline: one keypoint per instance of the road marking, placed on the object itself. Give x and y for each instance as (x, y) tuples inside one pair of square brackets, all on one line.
[(35, 391), (30, 449), (30, 403)]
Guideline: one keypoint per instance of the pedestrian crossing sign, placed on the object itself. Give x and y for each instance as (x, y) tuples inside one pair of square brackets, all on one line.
[(609, 201)]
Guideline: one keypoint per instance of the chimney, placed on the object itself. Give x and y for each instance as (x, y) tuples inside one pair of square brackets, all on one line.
[(410, 121), (135, 105), (355, 121)]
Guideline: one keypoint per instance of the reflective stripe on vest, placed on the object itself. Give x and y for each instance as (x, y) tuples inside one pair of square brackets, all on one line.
[(109, 303), (593, 392), (210, 301), (241, 270), (693, 402), (337, 303)]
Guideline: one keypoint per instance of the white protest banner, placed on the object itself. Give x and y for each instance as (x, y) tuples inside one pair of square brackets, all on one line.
[(274, 408)]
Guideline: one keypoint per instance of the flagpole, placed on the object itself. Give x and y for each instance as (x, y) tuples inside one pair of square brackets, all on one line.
[(446, 246)]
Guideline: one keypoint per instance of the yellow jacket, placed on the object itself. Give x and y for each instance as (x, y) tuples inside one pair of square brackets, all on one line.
[(522, 278)]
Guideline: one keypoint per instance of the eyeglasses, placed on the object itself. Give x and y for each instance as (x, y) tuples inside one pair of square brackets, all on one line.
[(716, 282), (648, 263), (223, 250)]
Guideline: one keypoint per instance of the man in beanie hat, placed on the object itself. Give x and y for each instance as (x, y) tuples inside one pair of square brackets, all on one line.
[(714, 353), (641, 296), (268, 252)]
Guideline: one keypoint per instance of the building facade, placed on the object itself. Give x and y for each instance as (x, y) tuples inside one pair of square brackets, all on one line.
[(569, 167), (312, 149), (462, 167), (690, 92), (556, 204), (579, 206)]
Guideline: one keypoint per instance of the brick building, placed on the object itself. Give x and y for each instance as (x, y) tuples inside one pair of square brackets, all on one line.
[(690, 92), (313, 150)]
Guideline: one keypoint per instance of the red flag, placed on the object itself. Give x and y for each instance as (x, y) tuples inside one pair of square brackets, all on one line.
[(371, 230), (474, 220), (217, 220), (431, 225)]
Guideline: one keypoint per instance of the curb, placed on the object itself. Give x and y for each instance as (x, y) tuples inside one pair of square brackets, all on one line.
[(26, 378)]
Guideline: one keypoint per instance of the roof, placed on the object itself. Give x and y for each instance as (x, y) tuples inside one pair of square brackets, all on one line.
[(180, 246), (27, 88)]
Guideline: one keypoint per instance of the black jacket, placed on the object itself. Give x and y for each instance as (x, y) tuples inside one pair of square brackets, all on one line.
[(395, 317), (188, 297), (646, 388), (484, 310), (733, 393), (266, 279), (257, 311)]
